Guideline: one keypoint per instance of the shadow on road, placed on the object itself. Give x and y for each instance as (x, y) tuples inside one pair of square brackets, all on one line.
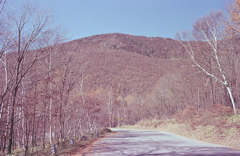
[(141, 143)]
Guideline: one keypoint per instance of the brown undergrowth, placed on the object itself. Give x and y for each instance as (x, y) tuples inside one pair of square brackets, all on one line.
[(215, 124), (79, 146), (65, 149)]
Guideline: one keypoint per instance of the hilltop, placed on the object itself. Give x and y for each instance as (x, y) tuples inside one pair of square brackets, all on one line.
[(158, 47)]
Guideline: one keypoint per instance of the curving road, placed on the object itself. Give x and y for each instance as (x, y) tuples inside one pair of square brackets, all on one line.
[(145, 142)]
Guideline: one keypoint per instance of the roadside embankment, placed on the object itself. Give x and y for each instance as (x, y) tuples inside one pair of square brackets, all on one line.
[(215, 125)]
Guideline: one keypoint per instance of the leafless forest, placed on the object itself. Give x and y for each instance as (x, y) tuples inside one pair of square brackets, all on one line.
[(53, 90)]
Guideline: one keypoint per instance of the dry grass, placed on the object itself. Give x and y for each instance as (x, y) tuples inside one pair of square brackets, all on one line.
[(218, 128)]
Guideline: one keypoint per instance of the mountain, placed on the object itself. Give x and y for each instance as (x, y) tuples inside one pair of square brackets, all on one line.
[(125, 64), (158, 47)]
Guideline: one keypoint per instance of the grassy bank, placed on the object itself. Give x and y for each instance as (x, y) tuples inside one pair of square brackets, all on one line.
[(218, 128)]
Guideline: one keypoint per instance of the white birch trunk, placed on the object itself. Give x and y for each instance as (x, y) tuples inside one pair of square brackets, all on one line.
[(232, 100), (212, 41)]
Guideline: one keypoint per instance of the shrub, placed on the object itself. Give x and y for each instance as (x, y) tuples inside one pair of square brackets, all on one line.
[(203, 116), (105, 130), (187, 114)]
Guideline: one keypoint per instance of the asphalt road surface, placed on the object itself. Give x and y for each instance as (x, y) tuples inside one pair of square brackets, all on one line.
[(152, 143)]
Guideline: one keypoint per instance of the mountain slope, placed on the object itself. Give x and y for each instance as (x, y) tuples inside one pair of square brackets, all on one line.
[(126, 64)]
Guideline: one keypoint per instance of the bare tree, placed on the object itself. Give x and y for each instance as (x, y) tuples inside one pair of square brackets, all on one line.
[(26, 27), (50, 41), (2, 4), (110, 99), (208, 31)]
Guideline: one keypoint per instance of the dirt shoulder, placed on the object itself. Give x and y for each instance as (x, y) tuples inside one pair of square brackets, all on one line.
[(84, 149)]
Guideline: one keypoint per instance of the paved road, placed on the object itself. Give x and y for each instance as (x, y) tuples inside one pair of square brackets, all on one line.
[(152, 143)]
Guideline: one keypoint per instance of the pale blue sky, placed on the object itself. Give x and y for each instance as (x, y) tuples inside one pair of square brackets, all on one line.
[(152, 18)]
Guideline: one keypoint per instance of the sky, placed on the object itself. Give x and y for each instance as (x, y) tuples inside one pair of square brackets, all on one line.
[(151, 18)]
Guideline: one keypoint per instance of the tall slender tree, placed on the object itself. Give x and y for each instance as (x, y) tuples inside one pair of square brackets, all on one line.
[(26, 27), (209, 31)]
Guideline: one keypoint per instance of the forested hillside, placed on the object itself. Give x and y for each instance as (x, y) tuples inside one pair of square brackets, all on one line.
[(52, 91)]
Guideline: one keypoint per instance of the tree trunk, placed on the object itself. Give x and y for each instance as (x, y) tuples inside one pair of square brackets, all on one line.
[(232, 100)]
